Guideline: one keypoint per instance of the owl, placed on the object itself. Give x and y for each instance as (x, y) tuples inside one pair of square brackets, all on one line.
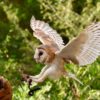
[(82, 50)]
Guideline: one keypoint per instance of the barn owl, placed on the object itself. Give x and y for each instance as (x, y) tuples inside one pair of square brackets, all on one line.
[(82, 50)]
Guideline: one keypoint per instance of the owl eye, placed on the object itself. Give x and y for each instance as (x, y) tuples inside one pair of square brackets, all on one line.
[(40, 53)]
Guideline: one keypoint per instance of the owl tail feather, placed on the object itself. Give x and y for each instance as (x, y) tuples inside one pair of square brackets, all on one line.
[(70, 75)]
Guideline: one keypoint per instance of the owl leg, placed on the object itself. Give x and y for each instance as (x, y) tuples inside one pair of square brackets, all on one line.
[(43, 76), (29, 78), (40, 74), (70, 75)]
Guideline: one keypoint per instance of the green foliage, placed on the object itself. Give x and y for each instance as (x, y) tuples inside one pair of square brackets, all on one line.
[(17, 46)]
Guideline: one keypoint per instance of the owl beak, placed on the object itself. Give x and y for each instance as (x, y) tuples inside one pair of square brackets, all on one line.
[(36, 59)]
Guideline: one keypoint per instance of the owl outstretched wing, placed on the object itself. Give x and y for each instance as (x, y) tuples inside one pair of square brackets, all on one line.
[(45, 33), (85, 48)]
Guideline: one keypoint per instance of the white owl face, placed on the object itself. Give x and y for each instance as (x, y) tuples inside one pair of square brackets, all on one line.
[(40, 55)]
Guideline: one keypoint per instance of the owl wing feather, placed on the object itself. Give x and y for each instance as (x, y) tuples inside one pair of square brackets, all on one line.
[(85, 48), (45, 33)]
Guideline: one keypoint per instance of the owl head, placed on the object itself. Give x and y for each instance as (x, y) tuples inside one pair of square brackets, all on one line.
[(44, 54)]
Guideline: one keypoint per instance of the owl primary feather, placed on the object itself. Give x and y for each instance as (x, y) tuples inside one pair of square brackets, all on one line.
[(82, 50)]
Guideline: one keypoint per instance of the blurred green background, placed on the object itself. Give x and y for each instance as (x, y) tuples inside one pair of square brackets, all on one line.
[(17, 45)]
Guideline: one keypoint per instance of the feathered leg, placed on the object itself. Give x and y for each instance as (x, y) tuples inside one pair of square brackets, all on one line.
[(70, 75)]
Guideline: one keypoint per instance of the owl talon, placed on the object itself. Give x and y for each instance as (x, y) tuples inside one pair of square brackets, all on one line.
[(30, 81)]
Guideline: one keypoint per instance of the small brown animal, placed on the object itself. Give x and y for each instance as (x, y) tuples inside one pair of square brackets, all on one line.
[(82, 50), (5, 89)]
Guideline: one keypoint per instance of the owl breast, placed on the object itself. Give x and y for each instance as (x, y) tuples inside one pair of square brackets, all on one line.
[(57, 69)]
